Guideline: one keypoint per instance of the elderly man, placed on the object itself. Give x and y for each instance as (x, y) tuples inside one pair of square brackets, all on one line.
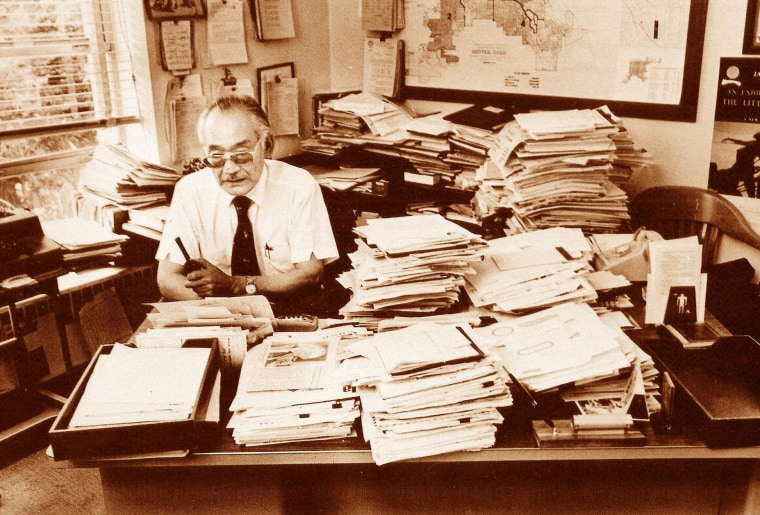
[(250, 224)]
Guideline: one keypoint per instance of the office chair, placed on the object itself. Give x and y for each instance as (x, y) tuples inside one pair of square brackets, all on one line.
[(679, 211)]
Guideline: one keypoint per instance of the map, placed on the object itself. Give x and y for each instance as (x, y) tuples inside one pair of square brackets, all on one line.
[(622, 50)]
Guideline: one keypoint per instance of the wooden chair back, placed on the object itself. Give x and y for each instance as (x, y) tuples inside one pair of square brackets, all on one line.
[(680, 211)]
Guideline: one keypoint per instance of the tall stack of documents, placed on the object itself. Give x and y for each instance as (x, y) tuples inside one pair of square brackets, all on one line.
[(560, 168), (289, 391), (427, 389), (532, 270), (126, 180), (411, 265)]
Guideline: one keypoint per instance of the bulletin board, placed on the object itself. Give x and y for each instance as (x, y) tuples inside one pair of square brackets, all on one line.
[(641, 59)]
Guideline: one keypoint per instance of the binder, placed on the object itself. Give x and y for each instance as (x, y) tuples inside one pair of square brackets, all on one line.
[(485, 117)]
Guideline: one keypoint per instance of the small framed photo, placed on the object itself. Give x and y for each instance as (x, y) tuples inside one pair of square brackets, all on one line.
[(174, 9), (752, 28), (274, 72)]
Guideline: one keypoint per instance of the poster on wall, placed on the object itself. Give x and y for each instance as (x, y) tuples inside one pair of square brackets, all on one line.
[(735, 154)]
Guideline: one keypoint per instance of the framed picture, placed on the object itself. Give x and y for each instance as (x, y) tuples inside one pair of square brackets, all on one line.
[(519, 60), (274, 72), (174, 9), (752, 29)]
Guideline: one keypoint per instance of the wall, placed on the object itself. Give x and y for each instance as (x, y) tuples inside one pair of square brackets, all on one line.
[(314, 54), (682, 150)]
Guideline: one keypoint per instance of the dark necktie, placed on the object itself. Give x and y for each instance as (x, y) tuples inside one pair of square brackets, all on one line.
[(243, 251)]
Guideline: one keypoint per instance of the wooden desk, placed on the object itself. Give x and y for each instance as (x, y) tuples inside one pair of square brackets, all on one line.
[(672, 473)]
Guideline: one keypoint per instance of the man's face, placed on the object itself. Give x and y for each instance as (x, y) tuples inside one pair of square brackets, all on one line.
[(230, 137)]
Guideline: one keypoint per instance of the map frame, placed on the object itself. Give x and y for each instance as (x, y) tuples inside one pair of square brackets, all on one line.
[(684, 110)]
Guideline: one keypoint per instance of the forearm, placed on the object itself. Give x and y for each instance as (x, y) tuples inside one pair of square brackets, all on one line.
[(287, 282), (211, 281), (171, 282)]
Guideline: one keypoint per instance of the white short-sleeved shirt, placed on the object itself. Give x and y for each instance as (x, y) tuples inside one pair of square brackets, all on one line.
[(288, 213)]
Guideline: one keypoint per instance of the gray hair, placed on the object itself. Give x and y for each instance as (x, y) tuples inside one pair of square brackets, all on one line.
[(245, 103)]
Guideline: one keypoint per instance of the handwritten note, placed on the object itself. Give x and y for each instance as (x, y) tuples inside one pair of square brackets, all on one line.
[(274, 19), (176, 46), (381, 66), (226, 32), (282, 106)]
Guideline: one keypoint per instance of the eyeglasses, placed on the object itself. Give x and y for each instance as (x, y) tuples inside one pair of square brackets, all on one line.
[(217, 160)]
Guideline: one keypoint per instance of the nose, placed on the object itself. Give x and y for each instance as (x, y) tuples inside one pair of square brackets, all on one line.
[(230, 167)]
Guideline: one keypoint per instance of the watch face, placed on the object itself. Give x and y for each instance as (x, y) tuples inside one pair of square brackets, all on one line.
[(250, 289)]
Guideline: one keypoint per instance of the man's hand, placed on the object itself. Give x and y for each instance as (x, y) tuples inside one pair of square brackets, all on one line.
[(209, 281)]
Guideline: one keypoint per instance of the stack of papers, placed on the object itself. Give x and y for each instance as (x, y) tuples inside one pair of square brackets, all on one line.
[(560, 168), (343, 178), (148, 221), (288, 390), (142, 385), (427, 389), (531, 271), (85, 243), (411, 265), (559, 346), (126, 180), (231, 320), (246, 311)]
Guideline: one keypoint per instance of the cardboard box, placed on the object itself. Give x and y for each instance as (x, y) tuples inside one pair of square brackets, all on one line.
[(139, 437)]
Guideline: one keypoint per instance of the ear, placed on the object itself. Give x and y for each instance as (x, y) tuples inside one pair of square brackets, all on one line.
[(268, 146)]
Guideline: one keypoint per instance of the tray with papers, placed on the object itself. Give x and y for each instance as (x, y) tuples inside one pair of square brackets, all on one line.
[(716, 389), (139, 401)]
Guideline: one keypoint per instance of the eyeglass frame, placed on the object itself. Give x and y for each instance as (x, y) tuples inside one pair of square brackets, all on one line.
[(227, 156)]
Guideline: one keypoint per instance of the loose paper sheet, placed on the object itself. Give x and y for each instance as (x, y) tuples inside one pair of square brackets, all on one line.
[(177, 46), (380, 66), (282, 106), (226, 32)]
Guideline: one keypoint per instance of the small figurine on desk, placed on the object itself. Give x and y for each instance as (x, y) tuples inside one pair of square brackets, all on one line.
[(250, 224)]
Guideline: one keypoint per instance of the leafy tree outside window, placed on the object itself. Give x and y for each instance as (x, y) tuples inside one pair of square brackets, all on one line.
[(65, 72)]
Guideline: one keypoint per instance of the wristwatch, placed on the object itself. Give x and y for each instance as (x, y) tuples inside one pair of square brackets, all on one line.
[(250, 285)]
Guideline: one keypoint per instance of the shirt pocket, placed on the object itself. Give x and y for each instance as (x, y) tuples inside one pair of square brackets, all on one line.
[(277, 256)]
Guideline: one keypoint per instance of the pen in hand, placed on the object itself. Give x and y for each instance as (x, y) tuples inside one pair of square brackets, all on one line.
[(190, 264)]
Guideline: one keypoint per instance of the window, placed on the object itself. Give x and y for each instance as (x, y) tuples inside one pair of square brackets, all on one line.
[(65, 73)]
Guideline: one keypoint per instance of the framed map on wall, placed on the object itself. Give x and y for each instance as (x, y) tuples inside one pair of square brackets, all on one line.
[(642, 59)]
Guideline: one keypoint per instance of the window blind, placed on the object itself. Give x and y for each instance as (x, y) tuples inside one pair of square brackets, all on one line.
[(64, 67)]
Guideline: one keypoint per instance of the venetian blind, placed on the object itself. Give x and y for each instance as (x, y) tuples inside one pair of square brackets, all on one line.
[(64, 66)]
